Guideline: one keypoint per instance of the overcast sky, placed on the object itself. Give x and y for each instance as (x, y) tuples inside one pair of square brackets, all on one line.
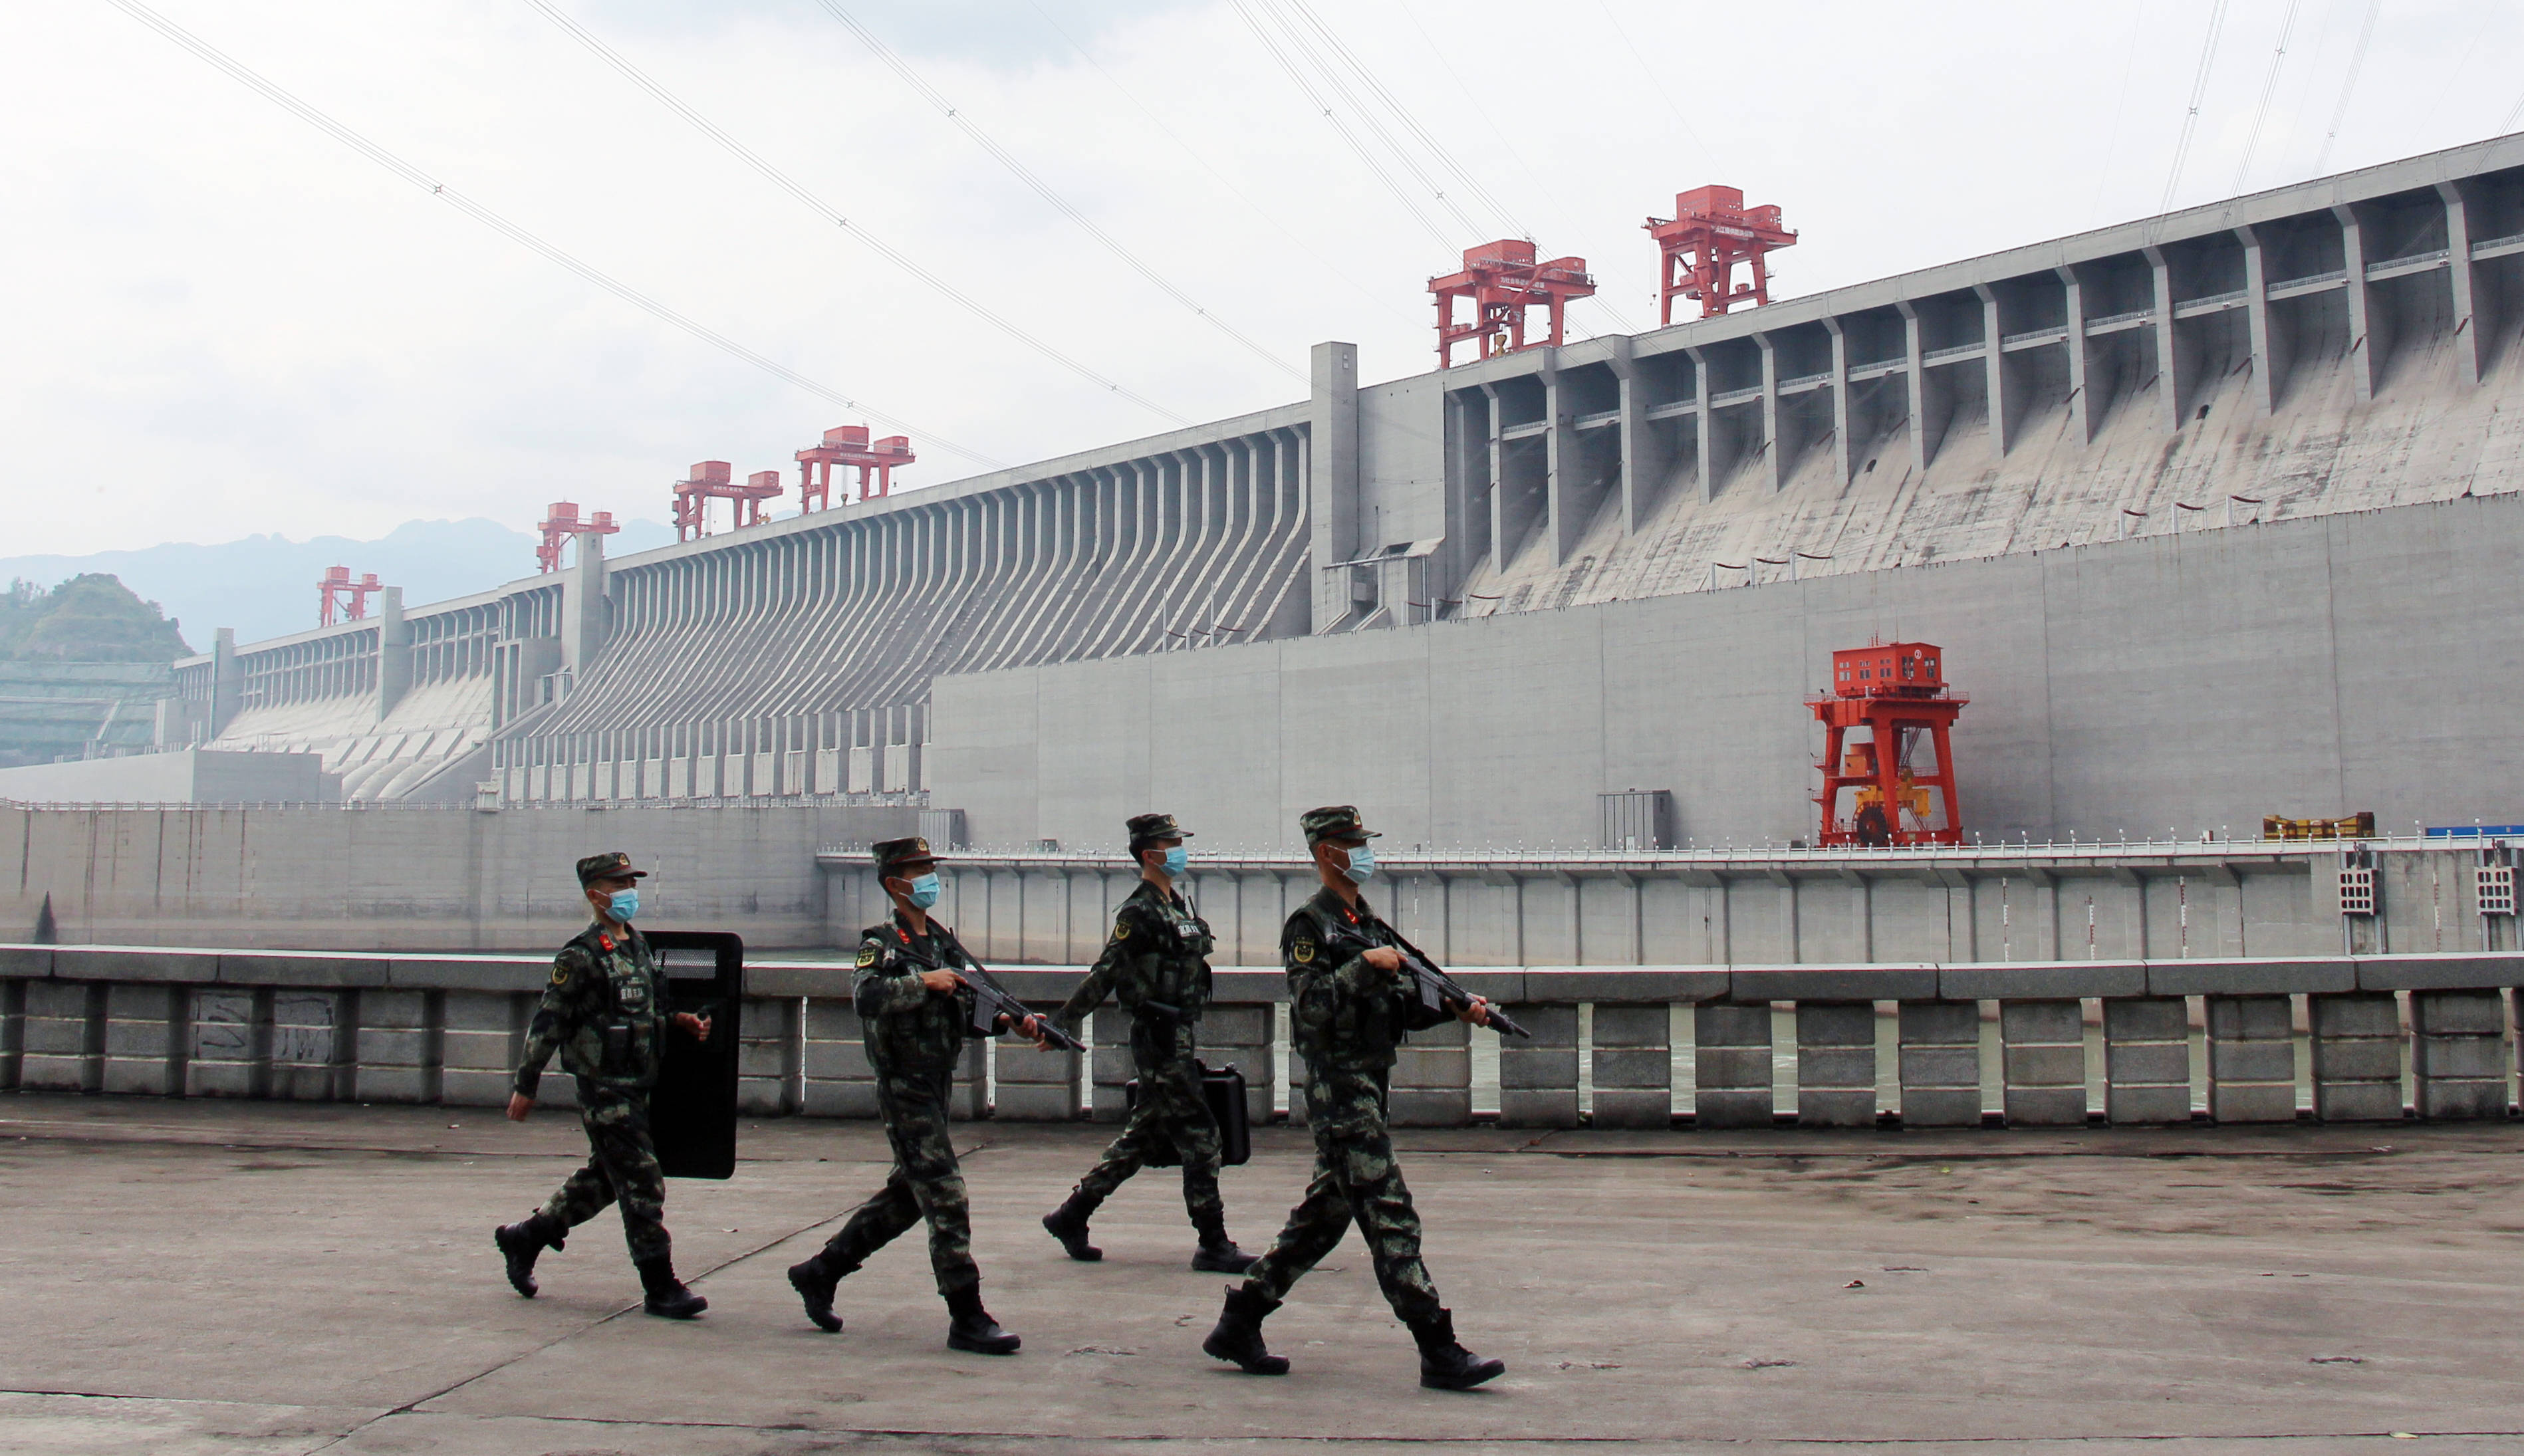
[(225, 322)]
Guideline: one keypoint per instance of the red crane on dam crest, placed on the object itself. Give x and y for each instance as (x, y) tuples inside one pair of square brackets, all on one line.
[(1897, 692)]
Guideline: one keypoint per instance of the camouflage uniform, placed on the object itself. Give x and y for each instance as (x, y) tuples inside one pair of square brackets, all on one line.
[(1153, 964), (1347, 1018), (604, 1012), (914, 1036)]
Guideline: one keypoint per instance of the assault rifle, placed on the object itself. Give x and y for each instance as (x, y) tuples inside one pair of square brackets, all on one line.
[(992, 1000), (1439, 991)]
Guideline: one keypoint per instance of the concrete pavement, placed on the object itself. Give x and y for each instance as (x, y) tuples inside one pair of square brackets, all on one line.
[(198, 1277)]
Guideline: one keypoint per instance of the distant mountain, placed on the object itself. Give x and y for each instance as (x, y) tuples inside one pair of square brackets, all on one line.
[(264, 586)]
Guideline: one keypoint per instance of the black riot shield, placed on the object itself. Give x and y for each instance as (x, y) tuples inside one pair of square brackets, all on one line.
[(1223, 1089), (693, 1113)]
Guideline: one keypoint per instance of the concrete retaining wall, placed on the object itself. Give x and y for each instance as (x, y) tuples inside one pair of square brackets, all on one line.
[(412, 878), (2188, 683), (2265, 1039)]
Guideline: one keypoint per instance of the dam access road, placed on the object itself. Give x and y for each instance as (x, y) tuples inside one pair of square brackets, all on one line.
[(202, 1276)]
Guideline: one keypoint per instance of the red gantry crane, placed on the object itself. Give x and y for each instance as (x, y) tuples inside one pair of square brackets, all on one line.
[(1710, 232), (1502, 279), (1897, 692), (343, 599), (713, 480), (560, 522), (849, 446)]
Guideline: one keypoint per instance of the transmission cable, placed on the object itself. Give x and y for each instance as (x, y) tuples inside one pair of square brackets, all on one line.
[(1401, 194), (1044, 189), (2347, 86), (1656, 83), (2199, 93), (2269, 88), (271, 91), (1222, 179), (831, 214)]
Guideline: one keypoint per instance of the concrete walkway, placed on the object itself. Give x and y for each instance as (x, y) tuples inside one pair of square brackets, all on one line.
[(192, 1277)]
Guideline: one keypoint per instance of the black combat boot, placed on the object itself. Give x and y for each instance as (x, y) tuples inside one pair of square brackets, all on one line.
[(1237, 1335), (519, 1243), (667, 1297), (969, 1326), (1068, 1224), (815, 1281), (1218, 1253), (1445, 1364)]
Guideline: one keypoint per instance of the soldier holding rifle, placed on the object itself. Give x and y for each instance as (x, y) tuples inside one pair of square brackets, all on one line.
[(1154, 963), (1352, 996), (918, 992)]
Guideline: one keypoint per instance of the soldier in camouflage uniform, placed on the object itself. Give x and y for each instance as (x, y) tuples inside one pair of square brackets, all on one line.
[(1350, 1002), (605, 1013), (1153, 964), (915, 1009)]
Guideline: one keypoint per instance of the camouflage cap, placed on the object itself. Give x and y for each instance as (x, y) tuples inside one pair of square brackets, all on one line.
[(1337, 824), (611, 866), (894, 855), (1147, 829)]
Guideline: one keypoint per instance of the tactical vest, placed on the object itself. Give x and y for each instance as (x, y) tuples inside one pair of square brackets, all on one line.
[(1363, 1031), (626, 1027), (1177, 965)]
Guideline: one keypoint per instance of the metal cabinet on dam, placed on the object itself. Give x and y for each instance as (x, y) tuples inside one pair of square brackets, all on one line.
[(2231, 1040)]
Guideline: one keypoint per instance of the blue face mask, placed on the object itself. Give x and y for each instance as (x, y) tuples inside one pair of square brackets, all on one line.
[(622, 904), (1361, 864), (1176, 858), (924, 891)]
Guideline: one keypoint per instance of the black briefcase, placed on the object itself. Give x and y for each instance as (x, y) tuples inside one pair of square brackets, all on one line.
[(692, 1115), (1223, 1089)]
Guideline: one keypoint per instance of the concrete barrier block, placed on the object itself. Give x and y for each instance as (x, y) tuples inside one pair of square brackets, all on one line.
[(1634, 1067), (1951, 1068), (1889, 981), (1835, 1064), (970, 1099), (1644, 1108), (1433, 1079), (1731, 1066), (2458, 1055), (2242, 977), (133, 965), (1036, 1086), (1109, 1066), (1538, 1079), (64, 1037), (855, 1099), (398, 1085), (311, 1045), (1034, 1103), (2356, 1051), (2129, 1067), (2147, 1061), (2450, 971), (2252, 1058), (469, 973), (1240, 1025), (461, 1086), (13, 1030), (26, 962), (279, 968), (145, 1038), (2068, 979), (1614, 986), (231, 1031), (2043, 1063), (838, 1062)]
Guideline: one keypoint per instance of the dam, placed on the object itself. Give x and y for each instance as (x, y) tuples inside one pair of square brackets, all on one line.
[(2211, 511)]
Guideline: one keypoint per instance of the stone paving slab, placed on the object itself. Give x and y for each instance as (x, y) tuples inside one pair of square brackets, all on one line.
[(258, 1278)]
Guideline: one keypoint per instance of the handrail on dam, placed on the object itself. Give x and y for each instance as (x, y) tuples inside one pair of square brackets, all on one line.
[(2060, 1043)]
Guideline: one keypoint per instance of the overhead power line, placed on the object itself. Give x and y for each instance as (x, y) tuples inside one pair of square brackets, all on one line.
[(831, 214), (277, 95), (2347, 86), (1402, 194), (2269, 88), (2199, 93), (1044, 189), (1268, 216)]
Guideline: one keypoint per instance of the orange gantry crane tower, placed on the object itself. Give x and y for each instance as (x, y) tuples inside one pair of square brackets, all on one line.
[(849, 446), (1710, 232), (713, 480), (342, 598), (559, 524), (1897, 692), (1501, 281)]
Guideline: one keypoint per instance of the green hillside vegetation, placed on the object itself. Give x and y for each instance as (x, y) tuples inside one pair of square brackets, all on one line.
[(88, 618)]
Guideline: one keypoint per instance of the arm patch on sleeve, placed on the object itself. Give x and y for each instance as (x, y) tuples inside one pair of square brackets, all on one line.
[(1302, 952), (867, 955)]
